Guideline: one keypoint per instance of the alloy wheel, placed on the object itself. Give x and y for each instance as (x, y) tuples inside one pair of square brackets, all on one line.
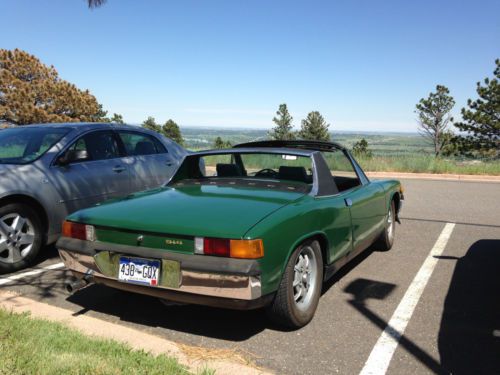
[(17, 235), (304, 280)]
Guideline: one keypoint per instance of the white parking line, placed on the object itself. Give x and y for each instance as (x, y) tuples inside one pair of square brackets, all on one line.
[(18, 276), (382, 352)]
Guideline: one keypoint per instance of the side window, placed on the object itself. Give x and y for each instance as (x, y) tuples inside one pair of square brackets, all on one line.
[(342, 170), (98, 145), (141, 144)]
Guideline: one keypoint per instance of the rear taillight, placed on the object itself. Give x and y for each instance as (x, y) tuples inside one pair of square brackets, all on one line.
[(79, 231), (245, 249), (217, 246)]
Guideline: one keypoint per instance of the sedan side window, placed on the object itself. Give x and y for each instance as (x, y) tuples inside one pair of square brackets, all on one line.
[(141, 144), (99, 145), (342, 170)]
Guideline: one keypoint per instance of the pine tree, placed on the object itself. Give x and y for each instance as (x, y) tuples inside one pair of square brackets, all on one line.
[(31, 92), (481, 121), (171, 130), (314, 128), (360, 149), (150, 123), (434, 116), (283, 128), (219, 143), (117, 119)]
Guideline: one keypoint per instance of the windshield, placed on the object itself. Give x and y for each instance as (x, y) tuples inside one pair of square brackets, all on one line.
[(268, 170), (24, 145)]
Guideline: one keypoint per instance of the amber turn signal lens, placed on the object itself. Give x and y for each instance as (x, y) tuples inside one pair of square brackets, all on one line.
[(247, 249)]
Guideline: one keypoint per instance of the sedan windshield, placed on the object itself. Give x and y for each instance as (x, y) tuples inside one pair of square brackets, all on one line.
[(24, 145)]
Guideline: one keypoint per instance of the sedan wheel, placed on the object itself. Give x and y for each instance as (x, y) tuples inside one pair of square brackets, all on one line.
[(20, 237), (298, 294)]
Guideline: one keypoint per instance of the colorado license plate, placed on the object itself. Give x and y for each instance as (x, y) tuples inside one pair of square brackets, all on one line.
[(139, 271)]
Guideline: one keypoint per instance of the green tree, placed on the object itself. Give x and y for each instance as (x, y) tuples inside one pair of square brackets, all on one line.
[(116, 119), (283, 121), (171, 130), (31, 92), (219, 143), (360, 149), (150, 123), (481, 120), (95, 3), (434, 116), (314, 127)]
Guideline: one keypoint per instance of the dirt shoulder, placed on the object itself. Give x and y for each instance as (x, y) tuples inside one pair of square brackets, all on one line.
[(432, 176), (195, 358)]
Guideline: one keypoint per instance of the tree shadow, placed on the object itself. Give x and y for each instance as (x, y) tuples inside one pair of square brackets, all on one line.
[(469, 335)]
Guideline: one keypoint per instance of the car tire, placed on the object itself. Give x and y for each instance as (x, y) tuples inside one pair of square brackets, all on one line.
[(298, 294), (21, 237), (386, 239)]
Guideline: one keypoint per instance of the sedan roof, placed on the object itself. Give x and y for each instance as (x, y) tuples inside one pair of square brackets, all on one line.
[(83, 125)]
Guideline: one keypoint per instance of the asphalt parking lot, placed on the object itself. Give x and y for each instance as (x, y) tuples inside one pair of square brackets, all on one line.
[(454, 326)]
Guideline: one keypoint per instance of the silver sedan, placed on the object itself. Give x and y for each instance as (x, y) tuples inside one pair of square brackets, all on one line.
[(48, 171)]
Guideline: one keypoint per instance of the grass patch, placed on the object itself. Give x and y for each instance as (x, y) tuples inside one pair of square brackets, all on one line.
[(429, 164), (35, 346)]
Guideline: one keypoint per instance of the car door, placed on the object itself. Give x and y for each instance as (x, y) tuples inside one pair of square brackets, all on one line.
[(366, 201), (151, 164), (101, 174)]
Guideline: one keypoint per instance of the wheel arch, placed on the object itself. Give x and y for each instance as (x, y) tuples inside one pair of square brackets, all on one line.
[(318, 236)]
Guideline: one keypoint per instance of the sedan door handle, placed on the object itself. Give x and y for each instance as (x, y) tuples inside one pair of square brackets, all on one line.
[(348, 202), (118, 169), (168, 163)]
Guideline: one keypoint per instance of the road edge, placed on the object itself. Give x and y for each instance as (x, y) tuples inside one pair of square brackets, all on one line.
[(136, 339), (435, 176)]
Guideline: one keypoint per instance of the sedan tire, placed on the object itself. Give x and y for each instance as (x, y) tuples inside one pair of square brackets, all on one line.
[(298, 294), (21, 237)]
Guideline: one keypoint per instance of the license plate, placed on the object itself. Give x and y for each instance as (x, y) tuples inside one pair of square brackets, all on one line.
[(139, 271)]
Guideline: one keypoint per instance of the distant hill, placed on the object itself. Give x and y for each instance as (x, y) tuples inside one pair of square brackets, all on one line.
[(381, 143)]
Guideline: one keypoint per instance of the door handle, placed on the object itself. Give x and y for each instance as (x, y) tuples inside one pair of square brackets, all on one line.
[(118, 169), (168, 163), (348, 202)]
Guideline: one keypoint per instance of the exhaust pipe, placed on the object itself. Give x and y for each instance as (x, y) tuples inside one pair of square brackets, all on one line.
[(74, 286)]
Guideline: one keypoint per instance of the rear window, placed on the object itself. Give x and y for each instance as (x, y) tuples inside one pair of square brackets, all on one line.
[(261, 169), (24, 145)]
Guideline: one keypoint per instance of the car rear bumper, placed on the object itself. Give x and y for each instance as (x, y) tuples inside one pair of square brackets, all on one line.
[(230, 283)]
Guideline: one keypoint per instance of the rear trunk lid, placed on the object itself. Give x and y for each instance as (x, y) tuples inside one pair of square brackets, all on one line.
[(172, 217)]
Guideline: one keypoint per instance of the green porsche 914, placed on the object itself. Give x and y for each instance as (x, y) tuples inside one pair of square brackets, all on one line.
[(262, 224)]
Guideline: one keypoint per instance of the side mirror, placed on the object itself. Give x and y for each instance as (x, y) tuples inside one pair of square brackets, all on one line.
[(73, 156)]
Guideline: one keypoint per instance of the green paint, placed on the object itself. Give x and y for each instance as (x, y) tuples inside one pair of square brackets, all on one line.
[(281, 219)]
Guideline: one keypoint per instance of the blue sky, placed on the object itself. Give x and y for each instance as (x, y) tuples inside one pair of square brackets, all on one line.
[(362, 64)]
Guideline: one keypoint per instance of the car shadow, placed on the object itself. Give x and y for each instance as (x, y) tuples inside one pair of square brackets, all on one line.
[(469, 335), (47, 253), (231, 325)]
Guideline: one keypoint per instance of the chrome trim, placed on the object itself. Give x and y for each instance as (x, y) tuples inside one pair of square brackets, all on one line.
[(202, 283)]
